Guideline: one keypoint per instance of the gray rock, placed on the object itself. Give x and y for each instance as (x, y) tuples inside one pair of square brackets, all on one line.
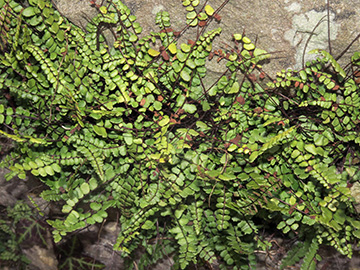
[(11, 190), (79, 12), (41, 258), (6, 199), (282, 27), (99, 245)]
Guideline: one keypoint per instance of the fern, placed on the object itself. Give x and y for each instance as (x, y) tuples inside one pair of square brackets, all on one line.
[(271, 143), (17, 229), (297, 252), (139, 128), (310, 257)]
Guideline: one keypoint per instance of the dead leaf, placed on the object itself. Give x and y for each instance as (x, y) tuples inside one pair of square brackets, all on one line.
[(241, 100)]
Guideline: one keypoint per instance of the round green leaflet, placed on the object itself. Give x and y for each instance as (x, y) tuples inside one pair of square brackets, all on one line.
[(186, 74), (29, 12), (85, 188), (189, 108)]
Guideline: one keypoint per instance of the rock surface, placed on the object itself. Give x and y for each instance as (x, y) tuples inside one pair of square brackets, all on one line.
[(41, 258), (99, 245), (287, 28)]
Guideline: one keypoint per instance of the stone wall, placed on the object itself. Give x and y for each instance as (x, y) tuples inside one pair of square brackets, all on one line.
[(282, 27)]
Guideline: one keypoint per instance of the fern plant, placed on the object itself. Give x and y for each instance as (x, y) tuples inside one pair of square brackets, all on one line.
[(19, 227), (190, 169)]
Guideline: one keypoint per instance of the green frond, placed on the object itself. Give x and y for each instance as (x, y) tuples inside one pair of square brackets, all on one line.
[(333, 62), (310, 257), (272, 142), (297, 252)]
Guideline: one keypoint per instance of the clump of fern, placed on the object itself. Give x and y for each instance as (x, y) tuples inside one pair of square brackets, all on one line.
[(189, 169), (10, 251)]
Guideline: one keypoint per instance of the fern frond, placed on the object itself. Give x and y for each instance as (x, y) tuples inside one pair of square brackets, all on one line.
[(332, 61), (310, 259), (297, 252), (272, 142)]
